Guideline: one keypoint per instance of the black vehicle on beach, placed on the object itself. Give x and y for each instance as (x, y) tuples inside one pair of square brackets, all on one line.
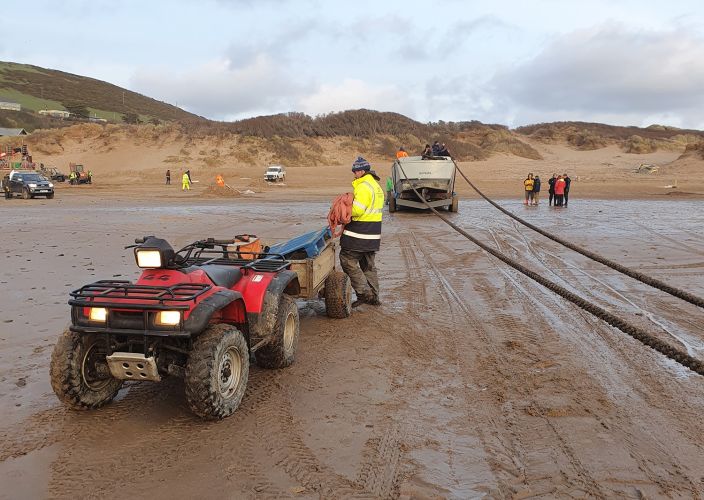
[(27, 185)]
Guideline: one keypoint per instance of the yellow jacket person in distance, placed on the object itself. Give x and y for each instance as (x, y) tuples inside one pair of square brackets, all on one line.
[(185, 182)]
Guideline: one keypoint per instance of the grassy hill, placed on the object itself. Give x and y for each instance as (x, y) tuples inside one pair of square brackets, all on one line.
[(296, 136), (589, 136), (38, 88)]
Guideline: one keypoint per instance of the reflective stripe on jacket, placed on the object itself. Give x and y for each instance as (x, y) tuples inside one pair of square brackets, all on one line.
[(363, 233)]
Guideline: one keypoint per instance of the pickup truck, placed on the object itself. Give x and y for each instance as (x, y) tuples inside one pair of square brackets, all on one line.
[(275, 173), (27, 185)]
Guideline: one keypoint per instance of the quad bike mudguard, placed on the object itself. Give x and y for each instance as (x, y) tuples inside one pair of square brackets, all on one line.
[(262, 324), (200, 316)]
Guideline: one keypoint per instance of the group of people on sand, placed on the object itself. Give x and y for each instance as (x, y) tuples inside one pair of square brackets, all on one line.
[(185, 180), (428, 152), (558, 191)]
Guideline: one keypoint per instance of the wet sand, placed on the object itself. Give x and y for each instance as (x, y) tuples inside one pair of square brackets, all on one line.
[(469, 380)]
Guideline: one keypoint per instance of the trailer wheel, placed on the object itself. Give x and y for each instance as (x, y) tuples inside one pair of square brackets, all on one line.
[(392, 204), (281, 351), (80, 376), (338, 295), (455, 204), (50, 196), (217, 372)]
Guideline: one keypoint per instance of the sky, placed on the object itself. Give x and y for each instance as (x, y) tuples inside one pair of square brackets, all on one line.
[(620, 62)]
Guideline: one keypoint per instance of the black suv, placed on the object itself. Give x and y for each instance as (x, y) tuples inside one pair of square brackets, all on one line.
[(28, 185)]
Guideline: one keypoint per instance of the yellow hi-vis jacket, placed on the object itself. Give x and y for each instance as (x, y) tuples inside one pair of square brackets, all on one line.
[(363, 233)]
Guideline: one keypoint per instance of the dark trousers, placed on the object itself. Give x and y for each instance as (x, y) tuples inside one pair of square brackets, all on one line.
[(550, 197), (168, 180), (558, 199), (567, 195), (359, 266)]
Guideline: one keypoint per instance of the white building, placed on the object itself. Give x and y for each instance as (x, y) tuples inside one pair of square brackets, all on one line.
[(12, 132), (54, 113), (14, 106)]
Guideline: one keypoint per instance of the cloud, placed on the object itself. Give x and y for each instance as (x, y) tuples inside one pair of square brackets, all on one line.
[(217, 90), (276, 45), (355, 94), (612, 71), (436, 43)]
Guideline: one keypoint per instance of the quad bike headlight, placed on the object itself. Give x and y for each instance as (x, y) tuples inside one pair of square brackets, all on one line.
[(98, 314), (148, 258), (154, 253), (168, 318)]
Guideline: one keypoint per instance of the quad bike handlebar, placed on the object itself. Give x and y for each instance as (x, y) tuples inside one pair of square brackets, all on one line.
[(199, 249)]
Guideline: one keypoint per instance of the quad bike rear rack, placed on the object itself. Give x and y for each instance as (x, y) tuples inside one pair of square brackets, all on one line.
[(259, 265)]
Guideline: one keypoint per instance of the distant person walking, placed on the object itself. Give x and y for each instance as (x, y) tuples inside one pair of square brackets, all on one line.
[(168, 177), (185, 182), (528, 189), (568, 181), (551, 190), (559, 191), (188, 173), (389, 189), (401, 153), (536, 189)]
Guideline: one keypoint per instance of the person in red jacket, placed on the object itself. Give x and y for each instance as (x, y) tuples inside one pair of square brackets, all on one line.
[(559, 191)]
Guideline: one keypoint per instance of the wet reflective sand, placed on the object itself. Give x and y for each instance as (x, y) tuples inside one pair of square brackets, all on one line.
[(470, 380)]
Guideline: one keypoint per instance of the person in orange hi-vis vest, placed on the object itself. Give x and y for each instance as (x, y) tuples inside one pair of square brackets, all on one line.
[(401, 153), (219, 180)]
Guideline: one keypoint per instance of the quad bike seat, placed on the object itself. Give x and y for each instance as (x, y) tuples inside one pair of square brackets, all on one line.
[(225, 276)]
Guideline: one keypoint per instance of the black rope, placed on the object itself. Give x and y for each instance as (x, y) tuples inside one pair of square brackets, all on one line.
[(655, 283), (634, 331)]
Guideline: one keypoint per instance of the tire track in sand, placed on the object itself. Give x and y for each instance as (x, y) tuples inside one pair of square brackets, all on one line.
[(624, 426), (542, 429)]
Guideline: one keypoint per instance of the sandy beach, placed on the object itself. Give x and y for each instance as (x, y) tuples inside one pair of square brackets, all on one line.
[(470, 380)]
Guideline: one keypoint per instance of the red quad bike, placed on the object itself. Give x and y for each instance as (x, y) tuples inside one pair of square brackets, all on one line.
[(195, 313)]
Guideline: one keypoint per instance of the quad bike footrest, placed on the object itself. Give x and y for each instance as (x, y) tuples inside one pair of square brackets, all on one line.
[(133, 366)]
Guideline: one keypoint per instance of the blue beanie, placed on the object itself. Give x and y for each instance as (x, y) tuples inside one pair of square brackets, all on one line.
[(361, 164)]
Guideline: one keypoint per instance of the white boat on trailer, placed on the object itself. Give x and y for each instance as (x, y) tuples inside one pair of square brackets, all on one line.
[(433, 177)]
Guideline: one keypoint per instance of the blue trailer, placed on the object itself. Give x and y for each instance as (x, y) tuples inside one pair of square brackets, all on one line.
[(312, 257)]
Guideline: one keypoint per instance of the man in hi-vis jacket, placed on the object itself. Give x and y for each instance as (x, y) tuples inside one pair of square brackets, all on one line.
[(361, 238)]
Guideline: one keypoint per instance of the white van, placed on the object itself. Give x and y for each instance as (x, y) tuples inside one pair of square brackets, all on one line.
[(275, 173)]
